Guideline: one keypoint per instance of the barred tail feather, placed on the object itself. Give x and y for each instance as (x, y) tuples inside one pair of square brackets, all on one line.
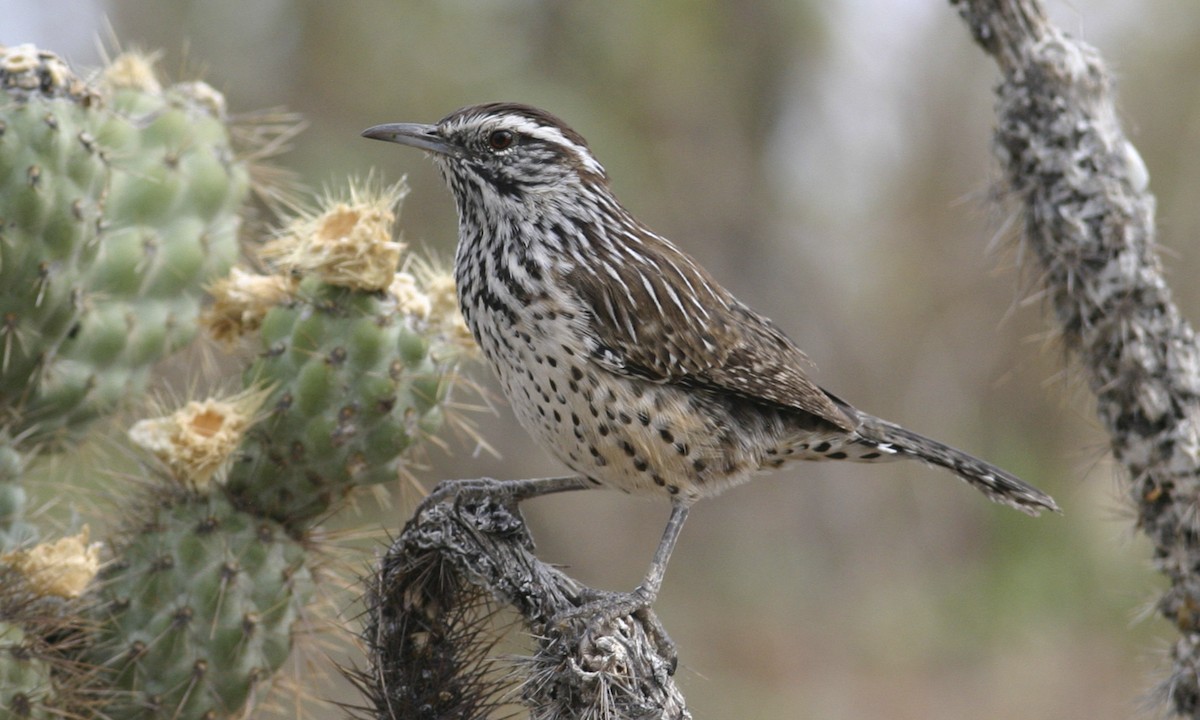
[(998, 485)]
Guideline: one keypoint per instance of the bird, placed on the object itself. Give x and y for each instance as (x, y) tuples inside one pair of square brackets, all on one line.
[(618, 352)]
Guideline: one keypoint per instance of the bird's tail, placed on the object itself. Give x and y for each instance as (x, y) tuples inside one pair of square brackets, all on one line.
[(892, 441)]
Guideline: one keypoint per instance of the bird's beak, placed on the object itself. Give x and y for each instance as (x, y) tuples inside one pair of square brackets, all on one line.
[(415, 135)]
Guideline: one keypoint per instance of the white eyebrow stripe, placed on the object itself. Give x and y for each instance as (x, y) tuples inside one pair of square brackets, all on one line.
[(555, 136)]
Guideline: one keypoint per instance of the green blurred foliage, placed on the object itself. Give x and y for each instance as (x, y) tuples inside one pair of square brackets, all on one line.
[(830, 162)]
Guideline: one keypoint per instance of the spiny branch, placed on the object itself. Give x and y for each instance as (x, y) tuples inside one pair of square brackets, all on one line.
[(1089, 220), (431, 625)]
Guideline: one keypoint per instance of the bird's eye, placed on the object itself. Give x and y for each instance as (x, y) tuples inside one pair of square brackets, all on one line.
[(501, 139)]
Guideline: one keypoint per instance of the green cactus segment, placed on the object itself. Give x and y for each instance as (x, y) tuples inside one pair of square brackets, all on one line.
[(198, 611), (354, 386), (38, 633), (34, 681), (15, 531), (52, 177), (116, 210), (170, 226), (25, 683)]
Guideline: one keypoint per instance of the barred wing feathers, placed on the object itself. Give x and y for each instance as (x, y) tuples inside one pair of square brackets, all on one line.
[(657, 315)]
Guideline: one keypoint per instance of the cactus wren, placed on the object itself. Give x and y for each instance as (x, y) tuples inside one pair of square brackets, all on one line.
[(617, 351)]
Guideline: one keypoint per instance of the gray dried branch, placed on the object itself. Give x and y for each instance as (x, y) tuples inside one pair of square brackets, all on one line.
[(432, 630), (1089, 220)]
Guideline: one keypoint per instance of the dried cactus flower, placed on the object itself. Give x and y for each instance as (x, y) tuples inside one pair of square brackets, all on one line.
[(133, 70), (240, 301), (349, 242), (195, 441), (410, 298), (438, 283), (62, 568)]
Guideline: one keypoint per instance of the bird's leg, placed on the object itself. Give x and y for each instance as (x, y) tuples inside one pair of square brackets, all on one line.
[(647, 592), (609, 606)]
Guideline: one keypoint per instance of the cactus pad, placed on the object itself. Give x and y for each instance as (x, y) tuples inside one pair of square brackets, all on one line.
[(198, 611), (358, 364), (117, 205), (355, 384)]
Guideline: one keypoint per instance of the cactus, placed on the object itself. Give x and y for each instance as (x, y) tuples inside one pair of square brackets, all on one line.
[(357, 370), (118, 204), (15, 529), (198, 610), (52, 175), (40, 627), (25, 682)]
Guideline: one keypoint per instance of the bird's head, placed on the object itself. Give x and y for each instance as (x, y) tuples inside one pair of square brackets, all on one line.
[(502, 152)]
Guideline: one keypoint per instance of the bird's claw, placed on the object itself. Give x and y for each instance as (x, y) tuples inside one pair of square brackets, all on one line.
[(602, 608)]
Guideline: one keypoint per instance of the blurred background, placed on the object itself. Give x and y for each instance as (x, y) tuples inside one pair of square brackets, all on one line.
[(830, 162)]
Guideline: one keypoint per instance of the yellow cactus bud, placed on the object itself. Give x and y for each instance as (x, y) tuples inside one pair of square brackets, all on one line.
[(204, 95)]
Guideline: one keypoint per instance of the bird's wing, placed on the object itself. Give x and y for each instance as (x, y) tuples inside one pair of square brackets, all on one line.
[(656, 314)]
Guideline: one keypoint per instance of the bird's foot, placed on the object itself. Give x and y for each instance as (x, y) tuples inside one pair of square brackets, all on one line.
[(603, 608)]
